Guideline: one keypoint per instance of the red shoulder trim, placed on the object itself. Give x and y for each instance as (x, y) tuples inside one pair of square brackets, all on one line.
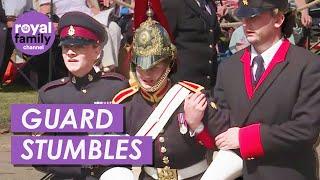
[(122, 95), (191, 86)]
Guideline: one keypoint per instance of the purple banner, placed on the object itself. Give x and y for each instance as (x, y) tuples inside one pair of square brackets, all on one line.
[(84, 150), (66, 118)]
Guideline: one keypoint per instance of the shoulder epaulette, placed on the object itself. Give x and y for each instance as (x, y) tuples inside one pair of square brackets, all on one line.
[(56, 83), (113, 75), (122, 95), (191, 86)]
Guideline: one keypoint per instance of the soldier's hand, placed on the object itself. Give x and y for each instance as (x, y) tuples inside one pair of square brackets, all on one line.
[(306, 19), (194, 107), (228, 139)]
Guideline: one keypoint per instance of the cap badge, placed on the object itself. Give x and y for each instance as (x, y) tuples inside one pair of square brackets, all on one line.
[(71, 31), (245, 2)]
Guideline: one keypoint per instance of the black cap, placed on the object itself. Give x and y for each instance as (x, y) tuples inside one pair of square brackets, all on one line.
[(77, 28), (251, 8)]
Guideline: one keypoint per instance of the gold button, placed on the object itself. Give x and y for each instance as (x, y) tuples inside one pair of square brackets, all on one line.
[(210, 46), (213, 105), (163, 150), (210, 62), (165, 160), (73, 80), (90, 77), (161, 139)]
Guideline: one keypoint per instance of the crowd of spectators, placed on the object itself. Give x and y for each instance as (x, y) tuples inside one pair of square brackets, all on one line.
[(117, 22)]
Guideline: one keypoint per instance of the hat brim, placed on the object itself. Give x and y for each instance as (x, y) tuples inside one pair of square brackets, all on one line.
[(247, 12), (75, 42)]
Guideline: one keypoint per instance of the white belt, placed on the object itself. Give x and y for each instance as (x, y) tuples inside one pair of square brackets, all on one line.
[(184, 173)]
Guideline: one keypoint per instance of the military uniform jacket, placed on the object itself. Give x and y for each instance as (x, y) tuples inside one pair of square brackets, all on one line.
[(93, 87), (196, 32), (170, 148), (280, 117)]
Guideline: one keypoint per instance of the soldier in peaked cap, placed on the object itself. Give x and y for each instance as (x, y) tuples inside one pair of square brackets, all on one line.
[(81, 40), (273, 97), (174, 114)]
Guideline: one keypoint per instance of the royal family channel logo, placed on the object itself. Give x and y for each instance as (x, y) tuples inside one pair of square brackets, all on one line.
[(33, 33)]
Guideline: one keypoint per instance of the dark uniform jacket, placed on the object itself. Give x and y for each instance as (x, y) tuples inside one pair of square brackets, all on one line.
[(180, 150), (280, 118), (196, 33), (68, 90), (94, 87)]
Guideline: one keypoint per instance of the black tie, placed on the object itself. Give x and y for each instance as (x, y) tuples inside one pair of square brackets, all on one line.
[(260, 69)]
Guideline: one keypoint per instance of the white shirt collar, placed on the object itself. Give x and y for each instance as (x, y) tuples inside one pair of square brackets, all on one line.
[(267, 55)]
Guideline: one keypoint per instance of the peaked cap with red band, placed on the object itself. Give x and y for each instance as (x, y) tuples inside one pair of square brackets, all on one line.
[(77, 28)]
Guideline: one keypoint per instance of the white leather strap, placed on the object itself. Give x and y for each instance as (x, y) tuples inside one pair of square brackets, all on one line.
[(161, 115)]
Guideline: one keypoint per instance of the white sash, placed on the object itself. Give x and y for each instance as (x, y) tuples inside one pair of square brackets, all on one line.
[(161, 115)]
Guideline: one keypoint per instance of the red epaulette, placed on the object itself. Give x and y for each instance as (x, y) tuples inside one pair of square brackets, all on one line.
[(122, 95), (191, 86), (56, 83), (113, 75)]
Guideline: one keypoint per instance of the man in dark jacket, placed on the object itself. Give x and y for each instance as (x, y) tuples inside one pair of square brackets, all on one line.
[(272, 91), (194, 26)]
